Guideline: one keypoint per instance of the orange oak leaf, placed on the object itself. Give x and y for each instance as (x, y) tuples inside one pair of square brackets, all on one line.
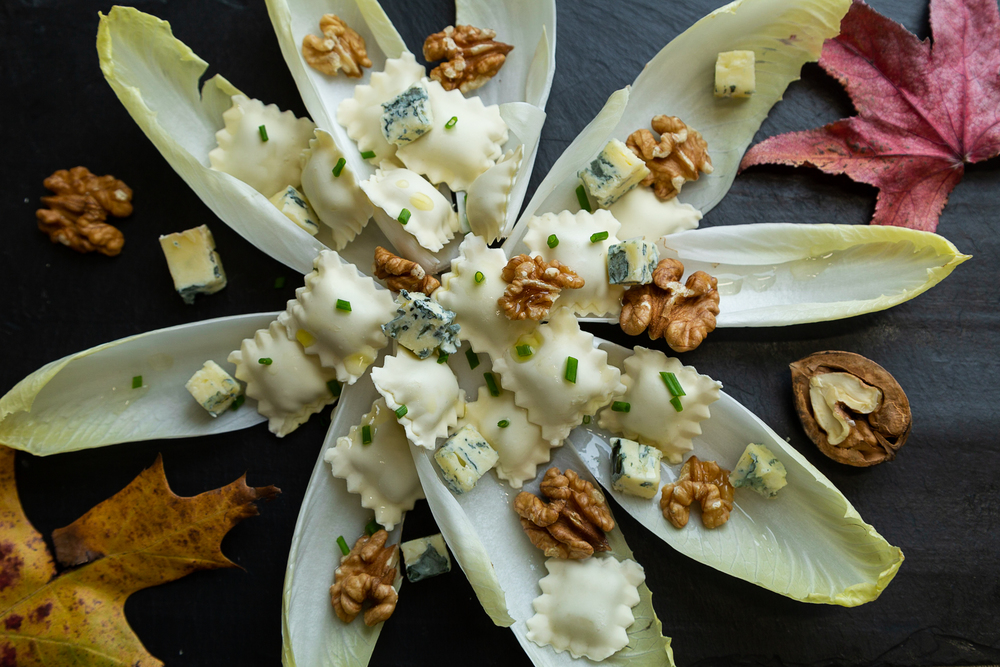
[(142, 536), (923, 111)]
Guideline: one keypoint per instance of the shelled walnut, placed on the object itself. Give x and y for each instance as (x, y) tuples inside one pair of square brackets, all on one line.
[(400, 273), (703, 482), (473, 56), (534, 286), (851, 407), (77, 212), (673, 159), (340, 48), (681, 314), (366, 573), (572, 524)]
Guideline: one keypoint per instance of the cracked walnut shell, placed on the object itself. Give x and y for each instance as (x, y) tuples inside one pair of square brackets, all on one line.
[(77, 212), (682, 314), (673, 159), (366, 573), (703, 482), (340, 48), (473, 56), (534, 286), (572, 524), (872, 433), (400, 273)]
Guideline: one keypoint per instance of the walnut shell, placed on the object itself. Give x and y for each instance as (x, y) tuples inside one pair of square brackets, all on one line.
[(889, 425)]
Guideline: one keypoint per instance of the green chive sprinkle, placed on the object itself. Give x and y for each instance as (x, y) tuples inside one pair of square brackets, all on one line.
[(401, 412), (479, 277), (586, 419), (334, 387), (451, 122), (599, 236), (571, 364), (366, 434), (581, 196), (676, 402), (137, 382), (339, 168), (503, 423), (368, 155), (265, 361), (491, 384), (238, 402), (621, 406), (473, 359), (553, 240), (404, 216), (524, 350), (279, 282), (263, 133), (673, 386), (372, 527), (342, 543), (443, 358), (344, 305)]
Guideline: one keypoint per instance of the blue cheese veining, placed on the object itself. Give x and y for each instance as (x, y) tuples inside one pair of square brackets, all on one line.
[(760, 470), (632, 262), (613, 173), (423, 326), (635, 468), (193, 262), (407, 116), (464, 458), (213, 388), (425, 557)]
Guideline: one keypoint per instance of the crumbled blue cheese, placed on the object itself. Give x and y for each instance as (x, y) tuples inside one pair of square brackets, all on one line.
[(735, 74), (425, 557), (213, 388), (193, 262), (296, 208), (632, 262), (635, 468), (423, 326), (758, 469), (407, 116), (464, 458), (613, 173)]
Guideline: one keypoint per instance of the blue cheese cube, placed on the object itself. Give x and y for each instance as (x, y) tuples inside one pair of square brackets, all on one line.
[(423, 326), (735, 74), (407, 116), (464, 458), (758, 469), (635, 468), (425, 557), (613, 173), (632, 262), (296, 208), (213, 388), (193, 262)]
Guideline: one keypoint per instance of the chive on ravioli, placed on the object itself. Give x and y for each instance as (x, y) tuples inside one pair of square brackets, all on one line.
[(333, 193)]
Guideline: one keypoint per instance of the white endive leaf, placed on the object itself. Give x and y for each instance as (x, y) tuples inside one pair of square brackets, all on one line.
[(524, 125), (86, 399), (807, 543), (311, 633), (679, 81)]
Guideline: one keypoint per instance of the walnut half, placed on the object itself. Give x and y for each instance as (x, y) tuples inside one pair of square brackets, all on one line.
[(572, 524), (673, 159), (77, 212), (851, 407), (704, 482), (340, 48), (400, 273), (534, 286), (366, 573), (473, 56)]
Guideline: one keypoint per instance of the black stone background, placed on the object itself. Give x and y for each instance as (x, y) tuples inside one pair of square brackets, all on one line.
[(938, 501)]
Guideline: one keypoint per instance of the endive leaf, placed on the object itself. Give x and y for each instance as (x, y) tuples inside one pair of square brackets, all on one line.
[(679, 80), (86, 399), (808, 543)]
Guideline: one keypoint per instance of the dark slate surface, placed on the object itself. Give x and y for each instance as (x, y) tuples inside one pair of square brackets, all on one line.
[(938, 501)]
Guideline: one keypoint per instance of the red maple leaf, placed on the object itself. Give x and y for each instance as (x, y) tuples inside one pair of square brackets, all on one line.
[(923, 111)]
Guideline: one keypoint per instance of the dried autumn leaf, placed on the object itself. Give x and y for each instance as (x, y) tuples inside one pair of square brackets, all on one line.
[(923, 111), (142, 536)]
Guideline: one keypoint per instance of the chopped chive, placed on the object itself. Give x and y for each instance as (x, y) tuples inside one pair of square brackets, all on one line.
[(339, 168), (137, 382), (571, 364), (503, 423), (473, 359), (342, 543), (621, 406), (265, 361), (599, 236), (479, 277), (491, 384), (451, 122), (553, 241), (238, 402), (372, 527), (443, 358), (334, 387), (581, 196), (366, 434), (368, 155), (586, 419), (673, 385), (404, 216), (524, 350), (676, 402), (401, 412), (344, 305), (279, 282), (263, 133)]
